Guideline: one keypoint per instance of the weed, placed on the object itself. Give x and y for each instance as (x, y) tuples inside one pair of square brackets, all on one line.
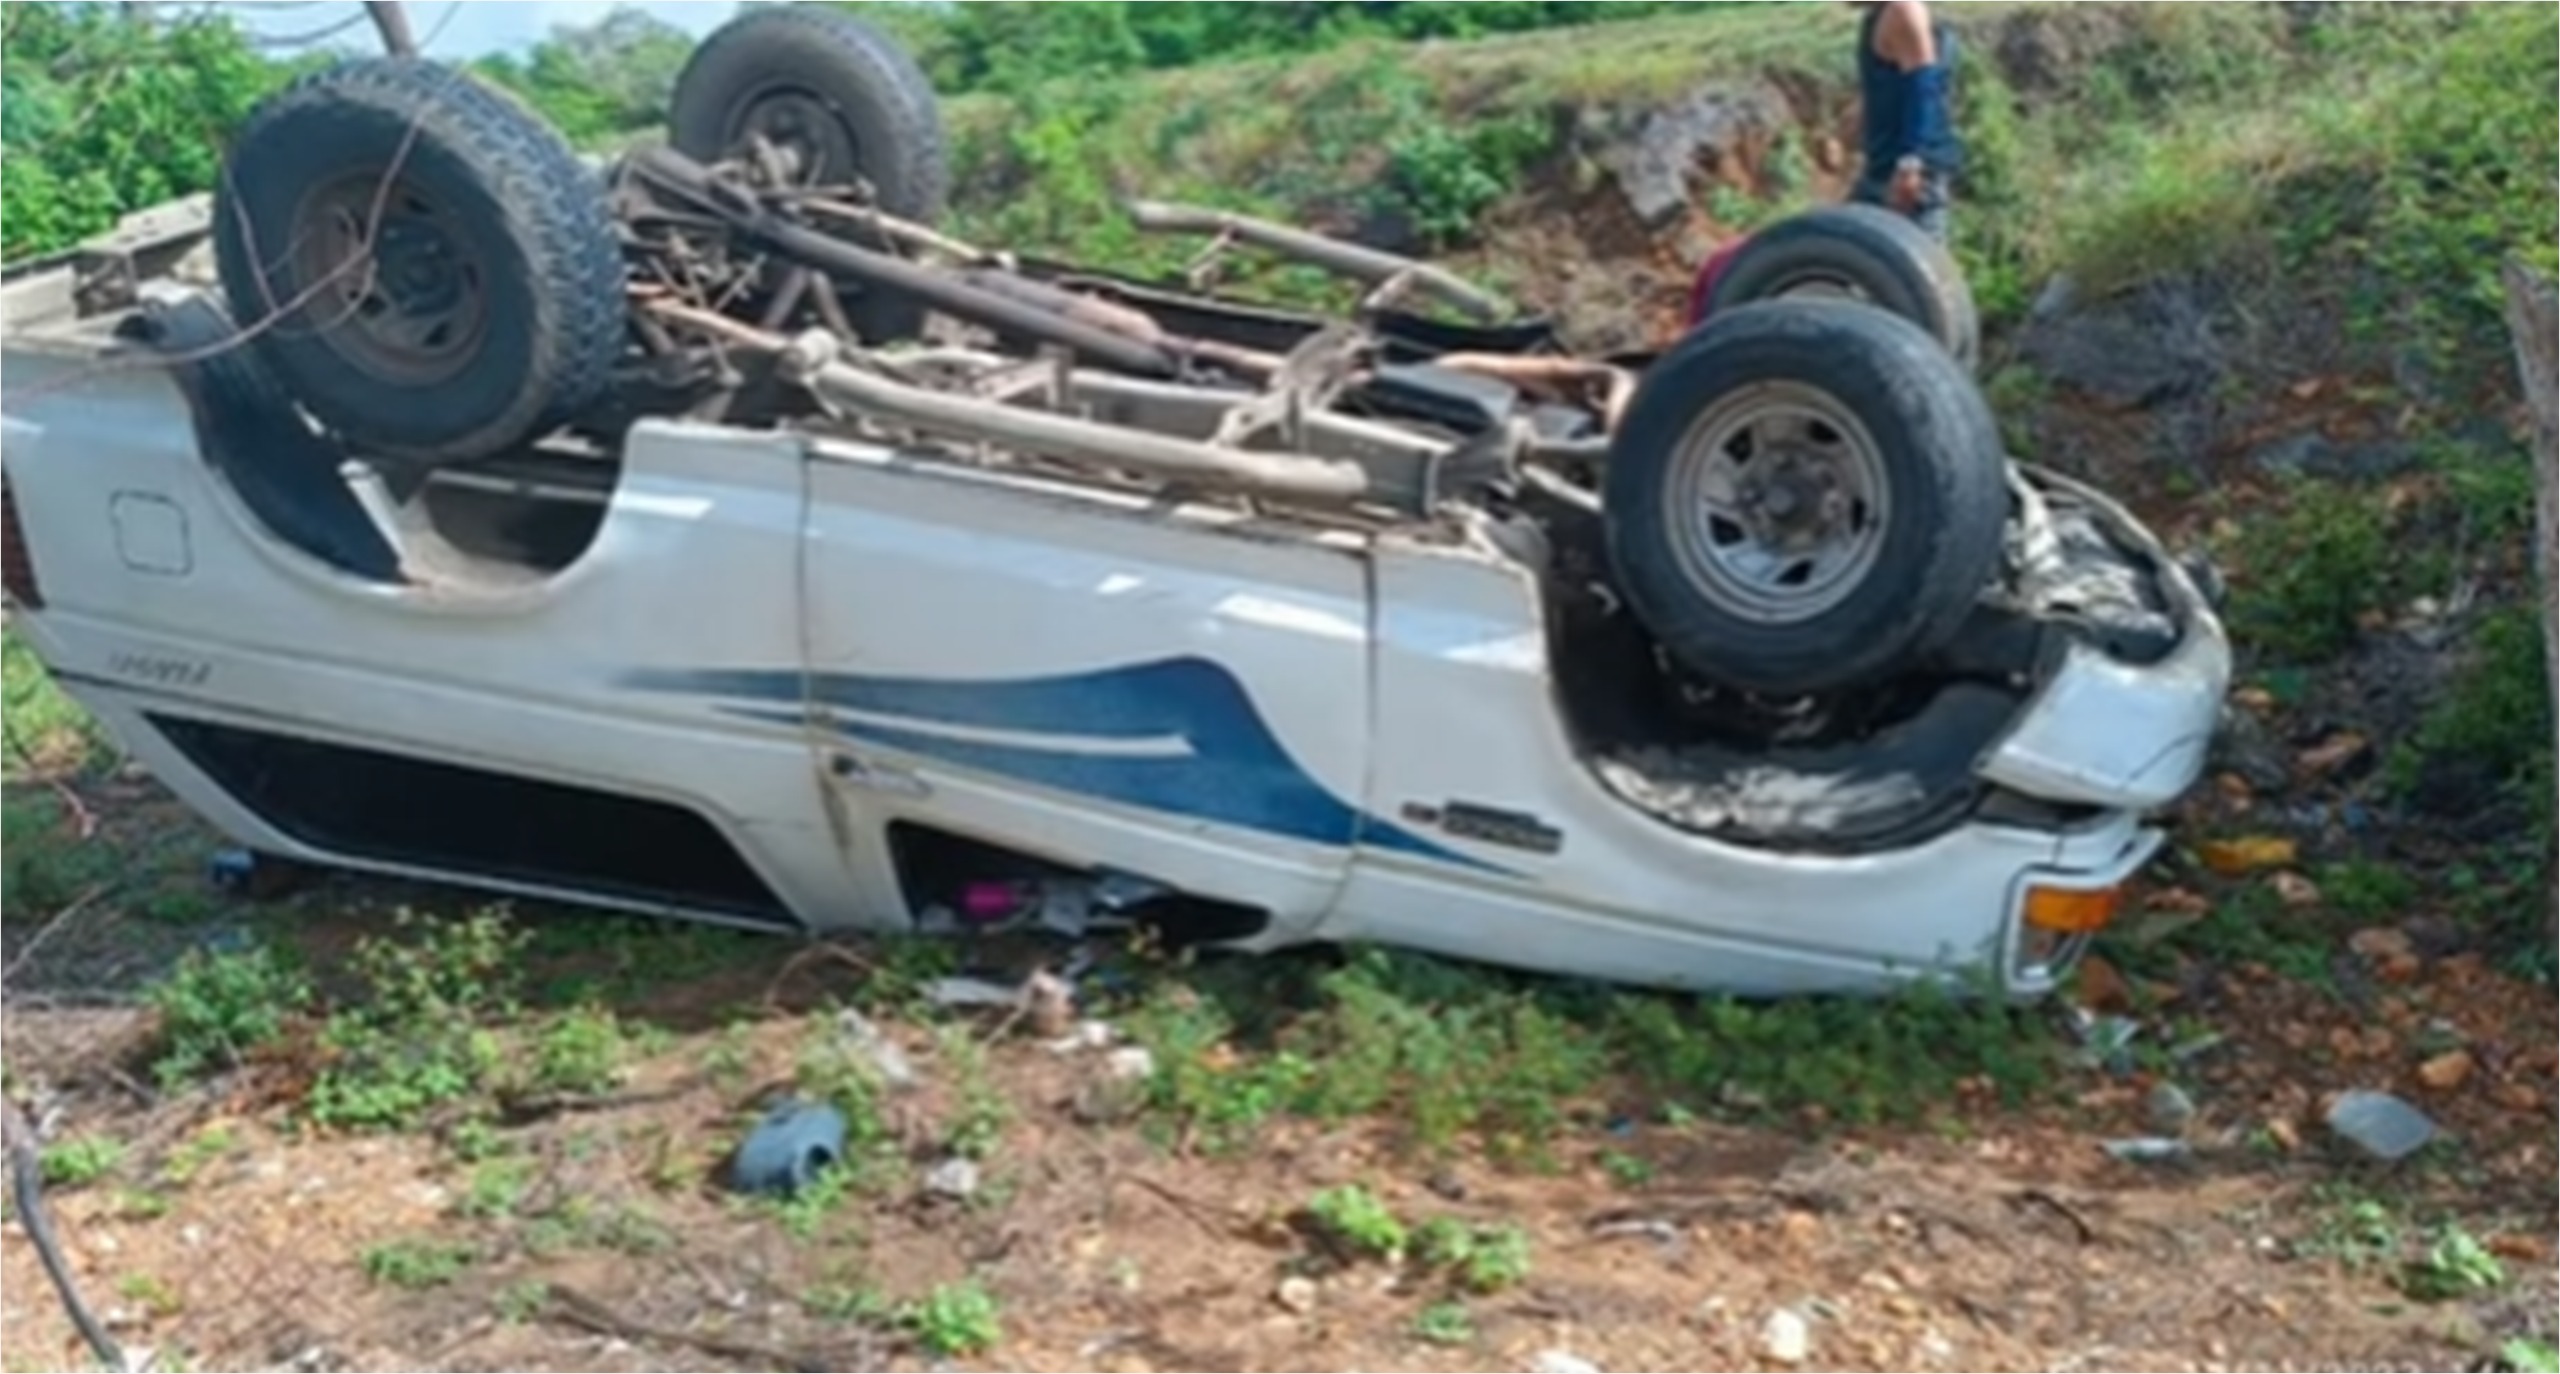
[(48, 869), (1626, 1170), (1445, 1323), (496, 1188), (1837, 1061), (2360, 1234), (2248, 926), (474, 1138), (192, 1157), (980, 1112), (423, 1036), (1479, 1259), (79, 1161), (2455, 1265), (522, 1301), (1357, 1220), (2530, 1356), (579, 1053), (1223, 1096), (2362, 890), (858, 1304), (150, 1293), (218, 1008), (804, 1213), (731, 1054), (47, 731), (2312, 571), (417, 1263), (141, 1204), (953, 1320)]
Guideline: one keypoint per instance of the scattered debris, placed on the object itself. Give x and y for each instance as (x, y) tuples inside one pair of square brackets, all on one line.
[(1116, 1091), (955, 1178), (956, 993), (787, 1150), (2148, 1150), (1051, 1003), (896, 1070), (2391, 952), (1045, 999), (2101, 987), (2381, 1125), (2186, 1051), (2338, 752), (1297, 1293), (2248, 854), (1785, 1338), (2172, 1110), (1087, 1035), (2448, 1071), (2106, 1042), (1561, 1362)]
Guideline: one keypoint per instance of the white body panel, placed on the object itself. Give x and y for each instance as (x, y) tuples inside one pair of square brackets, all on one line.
[(805, 643)]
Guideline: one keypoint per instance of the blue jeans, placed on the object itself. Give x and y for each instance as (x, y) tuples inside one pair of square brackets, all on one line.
[(1931, 214)]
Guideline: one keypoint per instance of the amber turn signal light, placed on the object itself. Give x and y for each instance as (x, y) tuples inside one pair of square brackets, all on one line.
[(2072, 911)]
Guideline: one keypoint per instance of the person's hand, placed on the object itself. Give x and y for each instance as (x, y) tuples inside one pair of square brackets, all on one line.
[(1906, 189)]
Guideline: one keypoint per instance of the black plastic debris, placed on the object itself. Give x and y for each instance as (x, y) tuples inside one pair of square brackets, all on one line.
[(796, 1142)]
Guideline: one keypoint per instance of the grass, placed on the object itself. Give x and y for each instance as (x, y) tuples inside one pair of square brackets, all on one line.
[(80, 1160), (1358, 1222), (955, 1320), (1461, 1055), (417, 1262)]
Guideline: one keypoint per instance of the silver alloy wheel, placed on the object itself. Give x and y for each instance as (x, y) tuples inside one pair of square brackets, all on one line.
[(1777, 503)]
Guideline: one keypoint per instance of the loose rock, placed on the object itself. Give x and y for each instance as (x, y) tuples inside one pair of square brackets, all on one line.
[(1561, 1362), (1116, 1089), (1785, 1338), (874, 1044), (2147, 1150), (2380, 1125), (2446, 1072), (2171, 1109), (2296, 891), (1297, 1293), (953, 1178)]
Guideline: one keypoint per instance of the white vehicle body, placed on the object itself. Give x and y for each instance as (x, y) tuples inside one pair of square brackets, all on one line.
[(784, 651)]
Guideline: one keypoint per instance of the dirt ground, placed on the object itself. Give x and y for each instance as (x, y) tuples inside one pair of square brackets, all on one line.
[(227, 1237)]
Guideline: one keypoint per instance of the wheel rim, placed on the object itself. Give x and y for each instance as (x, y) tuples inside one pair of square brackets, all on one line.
[(391, 278), (1820, 286), (1778, 503), (817, 143)]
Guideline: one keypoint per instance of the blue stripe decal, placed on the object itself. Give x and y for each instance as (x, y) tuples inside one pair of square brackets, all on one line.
[(1179, 736)]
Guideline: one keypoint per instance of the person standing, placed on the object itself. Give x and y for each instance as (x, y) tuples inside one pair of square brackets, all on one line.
[(1906, 63)]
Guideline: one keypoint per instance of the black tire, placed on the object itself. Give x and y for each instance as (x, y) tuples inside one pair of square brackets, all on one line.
[(1866, 390), (847, 97), (1870, 251), (494, 309)]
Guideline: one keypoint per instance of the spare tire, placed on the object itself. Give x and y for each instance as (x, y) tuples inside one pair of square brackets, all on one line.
[(424, 264), (845, 100), (1864, 253), (1805, 497)]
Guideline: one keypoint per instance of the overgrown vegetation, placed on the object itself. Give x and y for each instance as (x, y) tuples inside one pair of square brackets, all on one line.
[(1463, 1054)]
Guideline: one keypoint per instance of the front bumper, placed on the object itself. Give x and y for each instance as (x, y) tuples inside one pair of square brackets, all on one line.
[(2115, 735)]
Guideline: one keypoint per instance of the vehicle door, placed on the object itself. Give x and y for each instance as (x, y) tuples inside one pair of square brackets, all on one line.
[(1086, 677)]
